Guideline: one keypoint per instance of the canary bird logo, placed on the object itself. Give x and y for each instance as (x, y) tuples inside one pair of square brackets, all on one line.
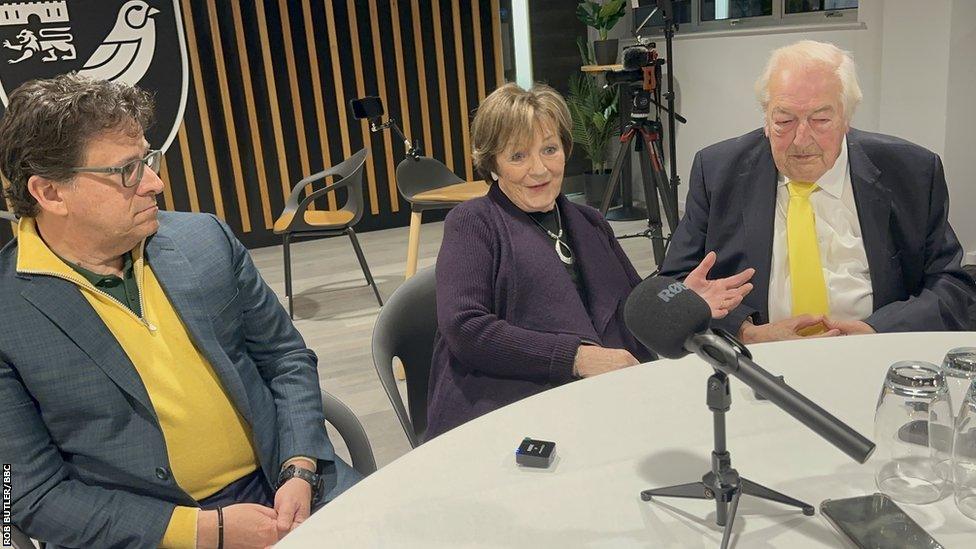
[(136, 42), (126, 53)]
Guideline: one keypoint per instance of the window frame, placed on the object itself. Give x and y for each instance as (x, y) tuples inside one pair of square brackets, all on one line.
[(778, 18)]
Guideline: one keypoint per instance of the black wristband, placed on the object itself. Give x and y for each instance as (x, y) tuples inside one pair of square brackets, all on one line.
[(220, 528)]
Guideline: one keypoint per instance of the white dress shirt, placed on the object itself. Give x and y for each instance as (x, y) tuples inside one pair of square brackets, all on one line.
[(842, 257)]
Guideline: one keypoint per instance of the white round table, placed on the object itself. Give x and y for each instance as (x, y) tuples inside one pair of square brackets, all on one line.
[(630, 430)]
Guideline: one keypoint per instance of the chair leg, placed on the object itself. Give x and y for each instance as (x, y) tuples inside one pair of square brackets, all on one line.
[(287, 250), (362, 263), (413, 244)]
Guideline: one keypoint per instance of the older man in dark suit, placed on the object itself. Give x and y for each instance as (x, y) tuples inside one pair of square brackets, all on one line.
[(154, 391), (847, 230)]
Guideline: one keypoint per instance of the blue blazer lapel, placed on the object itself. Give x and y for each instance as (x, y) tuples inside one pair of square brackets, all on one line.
[(62, 302), (758, 181), (874, 213), (179, 282)]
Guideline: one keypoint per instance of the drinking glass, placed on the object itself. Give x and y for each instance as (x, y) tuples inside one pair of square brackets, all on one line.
[(964, 455), (913, 432), (959, 368)]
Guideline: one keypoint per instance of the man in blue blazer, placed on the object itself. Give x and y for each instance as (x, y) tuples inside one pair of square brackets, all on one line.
[(153, 391), (847, 230)]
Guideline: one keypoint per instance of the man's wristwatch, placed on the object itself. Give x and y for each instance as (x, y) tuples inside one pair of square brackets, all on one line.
[(315, 480)]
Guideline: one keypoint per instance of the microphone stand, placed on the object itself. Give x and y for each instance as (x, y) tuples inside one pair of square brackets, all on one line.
[(413, 148), (669, 27), (723, 483)]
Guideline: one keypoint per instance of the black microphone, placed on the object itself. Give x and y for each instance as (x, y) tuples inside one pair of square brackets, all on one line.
[(672, 320), (662, 312)]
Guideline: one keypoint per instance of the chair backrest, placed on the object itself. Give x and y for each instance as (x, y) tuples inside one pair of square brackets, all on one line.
[(348, 174), (351, 430), (8, 216), (405, 329), (18, 540), (417, 175)]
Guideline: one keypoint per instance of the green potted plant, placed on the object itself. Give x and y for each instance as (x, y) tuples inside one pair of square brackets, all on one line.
[(594, 112), (602, 17), (585, 51)]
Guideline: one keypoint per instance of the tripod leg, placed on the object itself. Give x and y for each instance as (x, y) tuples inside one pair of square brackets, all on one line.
[(653, 207), (760, 491), (731, 519), (618, 163), (669, 197), (693, 490), (721, 512)]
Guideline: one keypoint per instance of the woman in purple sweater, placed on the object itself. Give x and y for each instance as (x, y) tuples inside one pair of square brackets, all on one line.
[(530, 286)]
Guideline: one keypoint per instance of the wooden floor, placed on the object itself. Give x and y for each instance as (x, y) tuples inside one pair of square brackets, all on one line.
[(335, 311)]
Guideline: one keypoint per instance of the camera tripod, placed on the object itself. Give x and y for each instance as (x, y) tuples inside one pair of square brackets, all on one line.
[(653, 178), (723, 483), (641, 62)]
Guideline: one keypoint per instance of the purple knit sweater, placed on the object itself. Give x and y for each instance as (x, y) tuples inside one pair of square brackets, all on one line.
[(509, 317)]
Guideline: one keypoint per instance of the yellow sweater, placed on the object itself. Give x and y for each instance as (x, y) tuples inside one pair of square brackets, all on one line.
[(208, 443)]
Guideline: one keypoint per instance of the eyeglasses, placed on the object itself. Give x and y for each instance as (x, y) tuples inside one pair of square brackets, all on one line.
[(132, 171)]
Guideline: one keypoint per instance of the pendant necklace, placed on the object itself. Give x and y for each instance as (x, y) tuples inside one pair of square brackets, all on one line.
[(563, 250)]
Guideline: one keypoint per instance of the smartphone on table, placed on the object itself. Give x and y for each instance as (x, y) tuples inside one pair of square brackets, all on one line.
[(876, 522)]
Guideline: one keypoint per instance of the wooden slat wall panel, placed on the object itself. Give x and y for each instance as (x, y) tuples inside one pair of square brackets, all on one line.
[(252, 115), (313, 64), (496, 33), (167, 190), (268, 100), (189, 179), (421, 63), (357, 69), (226, 107), (201, 95), (442, 85), (381, 82), (398, 49), (296, 98), (339, 93), (272, 104), (479, 58), (462, 92)]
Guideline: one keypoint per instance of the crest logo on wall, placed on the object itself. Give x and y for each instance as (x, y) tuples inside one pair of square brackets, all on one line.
[(138, 42)]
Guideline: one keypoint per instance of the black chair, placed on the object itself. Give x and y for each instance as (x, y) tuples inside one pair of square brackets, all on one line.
[(297, 221), (352, 433), (427, 184), (405, 329)]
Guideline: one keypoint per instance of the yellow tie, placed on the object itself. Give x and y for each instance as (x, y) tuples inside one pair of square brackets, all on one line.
[(806, 276)]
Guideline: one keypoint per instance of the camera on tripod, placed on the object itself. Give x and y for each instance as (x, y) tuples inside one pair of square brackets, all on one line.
[(641, 72), (638, 56)]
